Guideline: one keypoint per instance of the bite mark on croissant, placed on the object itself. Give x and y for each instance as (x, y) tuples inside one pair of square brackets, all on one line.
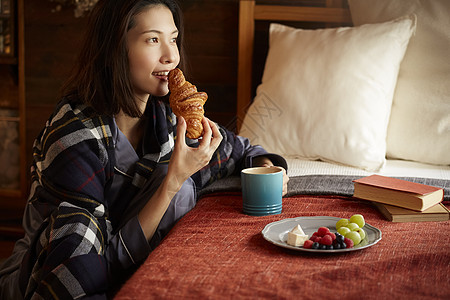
[(187, 102)]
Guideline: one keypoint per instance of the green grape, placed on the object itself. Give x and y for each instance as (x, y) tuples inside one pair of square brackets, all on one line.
[(352, 226), (354, 236), (341, 222), (343, 230), (358, 219), (361, 232)]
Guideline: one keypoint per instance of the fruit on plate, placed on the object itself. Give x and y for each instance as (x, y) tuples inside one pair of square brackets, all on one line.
[(358, 219), (342, 223), (324, 239), (344, 230), (340, 243), (308, 244), (352, 226), (329, 241), (348, 242), (361, 232), (323, 231), (354, 236), (349, 234), (353, 229)]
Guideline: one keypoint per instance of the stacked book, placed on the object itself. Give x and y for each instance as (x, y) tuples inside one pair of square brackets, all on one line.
[(402, 201)]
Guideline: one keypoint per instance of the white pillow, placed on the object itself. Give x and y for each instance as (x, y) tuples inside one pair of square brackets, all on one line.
[(326, 94), (419, 128)]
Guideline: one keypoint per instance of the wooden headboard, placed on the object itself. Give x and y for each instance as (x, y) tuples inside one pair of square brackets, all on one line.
[(333, 12)]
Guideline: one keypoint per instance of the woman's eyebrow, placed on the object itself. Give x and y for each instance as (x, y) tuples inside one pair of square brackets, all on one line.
[(157, 31)]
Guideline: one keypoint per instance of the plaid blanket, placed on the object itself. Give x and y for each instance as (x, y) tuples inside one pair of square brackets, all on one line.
[(73, 161)]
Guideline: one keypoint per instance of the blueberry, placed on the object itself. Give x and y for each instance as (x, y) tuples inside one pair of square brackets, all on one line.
[(343, 245), (330, 247), (339, 238), (323, 247), (337, 246), (315, 245)]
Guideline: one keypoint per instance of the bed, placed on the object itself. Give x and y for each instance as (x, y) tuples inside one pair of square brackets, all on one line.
[(216, 251)]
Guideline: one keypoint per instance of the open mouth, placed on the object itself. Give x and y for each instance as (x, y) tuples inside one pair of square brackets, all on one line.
[(163, 75)]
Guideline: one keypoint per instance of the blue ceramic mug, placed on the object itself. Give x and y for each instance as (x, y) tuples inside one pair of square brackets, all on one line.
[(262, 190)]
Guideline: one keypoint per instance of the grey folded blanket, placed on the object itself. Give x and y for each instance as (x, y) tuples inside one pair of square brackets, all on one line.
[(319, 185)]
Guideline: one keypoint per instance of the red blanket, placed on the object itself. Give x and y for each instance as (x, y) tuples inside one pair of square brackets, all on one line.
[(215, 251)]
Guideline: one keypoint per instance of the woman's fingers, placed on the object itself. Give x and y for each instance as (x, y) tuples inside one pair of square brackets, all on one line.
[(207, 133), (211, 135), (181, 131), (217, 136), (187, 160)]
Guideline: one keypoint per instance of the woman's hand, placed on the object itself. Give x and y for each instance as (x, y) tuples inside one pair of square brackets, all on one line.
[(185, 160), (263, 161)]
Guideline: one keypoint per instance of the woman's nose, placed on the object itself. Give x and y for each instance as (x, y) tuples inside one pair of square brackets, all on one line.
[(169, 54)]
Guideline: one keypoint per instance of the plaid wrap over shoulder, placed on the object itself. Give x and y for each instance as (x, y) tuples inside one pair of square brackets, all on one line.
[(73, 162)]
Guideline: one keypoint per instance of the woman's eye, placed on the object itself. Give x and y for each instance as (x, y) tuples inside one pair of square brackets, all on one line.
[(152, 40), (174, 40)]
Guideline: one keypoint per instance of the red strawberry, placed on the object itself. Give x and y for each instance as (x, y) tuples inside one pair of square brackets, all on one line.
[(313, 238), (348, 242), (326, 240), (315, 234), (322, 231), (308, 244)]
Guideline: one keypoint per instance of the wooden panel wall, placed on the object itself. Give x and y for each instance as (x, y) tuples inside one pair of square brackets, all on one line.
[(211, 46), (51, 41)]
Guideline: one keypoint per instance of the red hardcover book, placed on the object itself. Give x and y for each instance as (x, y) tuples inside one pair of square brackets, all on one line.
[(397, 192)]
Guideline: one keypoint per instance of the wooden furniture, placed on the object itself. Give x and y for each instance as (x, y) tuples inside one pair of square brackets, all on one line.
[(12, 91), (333, 13)]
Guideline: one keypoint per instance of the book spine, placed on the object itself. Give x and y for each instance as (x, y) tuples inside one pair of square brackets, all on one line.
[(382, 209), (385, 200), (387, 196)]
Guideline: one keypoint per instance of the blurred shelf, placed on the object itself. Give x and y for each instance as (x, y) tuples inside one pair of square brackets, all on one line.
[(12, 91), (8, 60)]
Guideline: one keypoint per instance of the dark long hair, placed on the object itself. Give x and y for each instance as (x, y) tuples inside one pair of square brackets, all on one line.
[(101, 76)]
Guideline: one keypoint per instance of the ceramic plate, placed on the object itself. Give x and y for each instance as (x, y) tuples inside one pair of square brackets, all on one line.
[(276, 232)]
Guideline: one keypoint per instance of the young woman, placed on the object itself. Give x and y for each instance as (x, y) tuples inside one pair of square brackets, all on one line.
[(112, 168)]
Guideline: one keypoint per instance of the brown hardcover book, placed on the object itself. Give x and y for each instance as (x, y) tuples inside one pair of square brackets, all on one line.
[(397, 192), (437, 212)]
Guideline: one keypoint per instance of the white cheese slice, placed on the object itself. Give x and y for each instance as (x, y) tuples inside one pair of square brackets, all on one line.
[(298, 229), (296, 237)]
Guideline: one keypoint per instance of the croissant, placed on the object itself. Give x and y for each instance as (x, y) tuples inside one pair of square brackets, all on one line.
[(186, 102)]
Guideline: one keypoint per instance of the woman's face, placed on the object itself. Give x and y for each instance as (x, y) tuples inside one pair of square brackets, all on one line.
[(152, 51)]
